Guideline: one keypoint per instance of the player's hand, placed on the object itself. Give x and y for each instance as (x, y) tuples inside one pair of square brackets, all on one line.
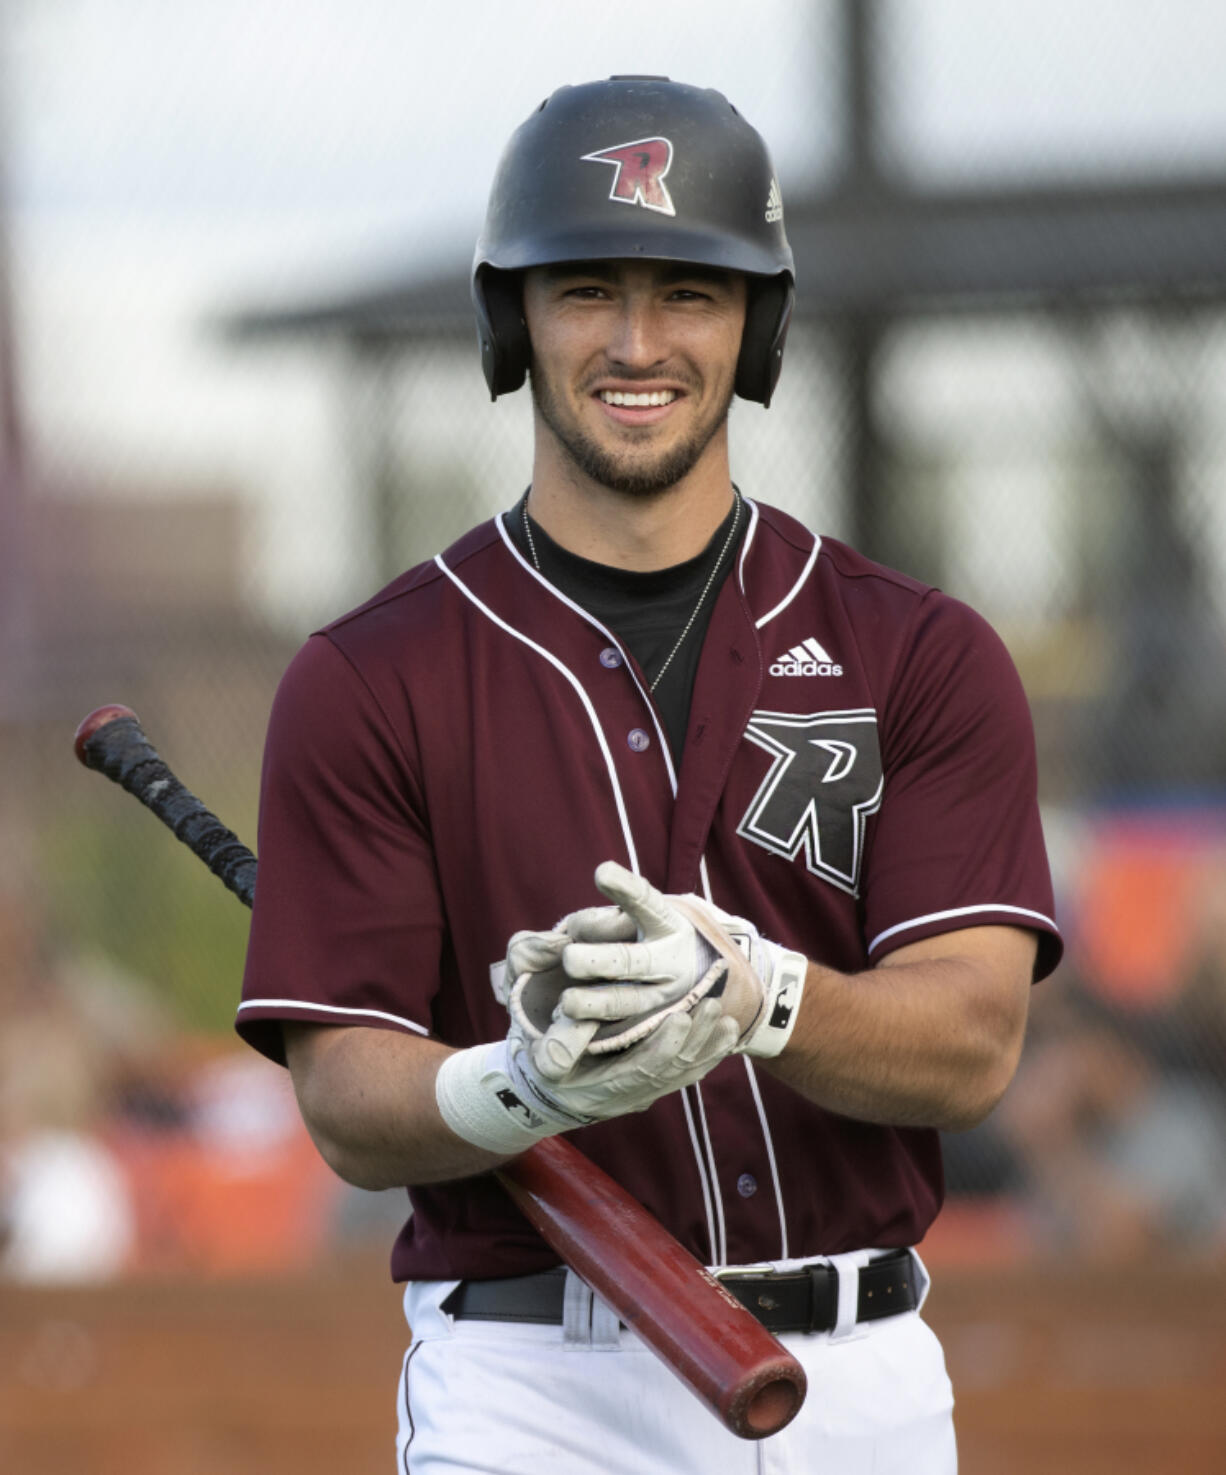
[(506, 1096), (535, 980), (680, 1050), (684, 949)]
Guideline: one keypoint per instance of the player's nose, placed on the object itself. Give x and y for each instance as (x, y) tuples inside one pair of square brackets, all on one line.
[(637, 335)]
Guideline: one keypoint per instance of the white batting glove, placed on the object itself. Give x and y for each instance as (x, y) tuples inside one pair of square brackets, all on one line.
[(503, 1097), (684, 948), (533, 980)]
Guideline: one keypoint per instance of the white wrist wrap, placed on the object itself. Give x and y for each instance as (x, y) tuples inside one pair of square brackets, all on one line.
[(479, 1102), (781, 1005)]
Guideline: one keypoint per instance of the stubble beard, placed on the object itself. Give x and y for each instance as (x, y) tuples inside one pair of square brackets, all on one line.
[(621, 472)]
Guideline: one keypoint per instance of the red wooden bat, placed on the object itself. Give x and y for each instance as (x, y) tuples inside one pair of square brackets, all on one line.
[(656, 1287)]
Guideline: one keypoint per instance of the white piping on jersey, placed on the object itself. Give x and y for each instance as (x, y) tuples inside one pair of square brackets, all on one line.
[(960, 912), (332, 1009), (705, 878), (704, 1168), (747, 541), (796, 587), (784, 1252), (722, 1257), (720, 1250), (705, 1173), (753, 1084), (618, 797), (611, 638)]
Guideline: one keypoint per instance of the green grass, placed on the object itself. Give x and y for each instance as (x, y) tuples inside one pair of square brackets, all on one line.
[(122, 885)]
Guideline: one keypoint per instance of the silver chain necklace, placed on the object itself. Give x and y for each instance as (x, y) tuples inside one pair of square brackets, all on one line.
[(706, 588)]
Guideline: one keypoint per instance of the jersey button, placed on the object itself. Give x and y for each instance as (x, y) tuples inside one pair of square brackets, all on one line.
[(610, 658), (747, 1185), (638, 739)]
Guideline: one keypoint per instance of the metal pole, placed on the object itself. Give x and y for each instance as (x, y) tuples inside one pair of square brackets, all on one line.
[(16, 633), (859, 335), (861, 119), (863, 460)]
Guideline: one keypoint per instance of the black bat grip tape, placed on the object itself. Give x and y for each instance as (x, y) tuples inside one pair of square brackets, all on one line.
[(125, 755)]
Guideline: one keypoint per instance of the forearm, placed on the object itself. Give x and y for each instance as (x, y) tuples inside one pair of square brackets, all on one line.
[(922, 1040), (367, 1098)]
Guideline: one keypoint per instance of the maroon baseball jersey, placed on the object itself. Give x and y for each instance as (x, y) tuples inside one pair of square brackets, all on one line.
[(449, 764)]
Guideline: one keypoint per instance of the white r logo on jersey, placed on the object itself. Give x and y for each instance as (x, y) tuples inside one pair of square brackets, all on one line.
[(825, 781)]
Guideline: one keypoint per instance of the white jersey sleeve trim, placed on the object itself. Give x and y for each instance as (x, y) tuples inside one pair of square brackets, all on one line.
[(279, 1004), (796, 587), (990, 907), (618, 797)]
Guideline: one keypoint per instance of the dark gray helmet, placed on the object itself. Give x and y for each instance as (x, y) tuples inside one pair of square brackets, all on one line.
[(634, 167)]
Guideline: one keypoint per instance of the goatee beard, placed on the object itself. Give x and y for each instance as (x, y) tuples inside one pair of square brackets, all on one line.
[(616, 472)]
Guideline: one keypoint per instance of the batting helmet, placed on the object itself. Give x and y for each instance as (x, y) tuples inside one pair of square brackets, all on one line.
[(634, 167)]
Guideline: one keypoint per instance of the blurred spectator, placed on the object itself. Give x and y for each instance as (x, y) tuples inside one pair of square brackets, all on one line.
[(1190, 1036), (1121, 1160), (65, 1210), (225, 1180), (126, 1146)]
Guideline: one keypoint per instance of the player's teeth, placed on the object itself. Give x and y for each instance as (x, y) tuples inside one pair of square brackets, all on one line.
[(638, 401)]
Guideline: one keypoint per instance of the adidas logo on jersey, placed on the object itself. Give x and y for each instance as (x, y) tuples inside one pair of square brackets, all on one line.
[(774, 204), (806, 659)]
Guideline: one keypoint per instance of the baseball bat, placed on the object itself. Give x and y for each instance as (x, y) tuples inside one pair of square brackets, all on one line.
[(655, 1286)]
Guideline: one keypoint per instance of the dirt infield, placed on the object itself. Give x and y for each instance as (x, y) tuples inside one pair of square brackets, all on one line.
[(1118, 1372)]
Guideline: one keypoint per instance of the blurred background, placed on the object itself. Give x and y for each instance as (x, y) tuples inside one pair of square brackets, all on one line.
[(239, 390)]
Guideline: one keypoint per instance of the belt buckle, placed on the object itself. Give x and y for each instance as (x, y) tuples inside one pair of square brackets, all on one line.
[(822, 1280), (762, 1300)]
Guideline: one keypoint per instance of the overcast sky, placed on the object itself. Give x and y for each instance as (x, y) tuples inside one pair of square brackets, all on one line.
[(172, 157), (383, 110)]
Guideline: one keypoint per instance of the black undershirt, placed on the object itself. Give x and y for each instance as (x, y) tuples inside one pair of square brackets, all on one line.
[(646, 611)]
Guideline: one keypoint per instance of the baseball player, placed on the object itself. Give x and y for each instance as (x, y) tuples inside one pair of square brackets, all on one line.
[(646, 815)]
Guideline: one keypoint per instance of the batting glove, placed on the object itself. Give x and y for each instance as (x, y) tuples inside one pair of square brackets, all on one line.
[(506, 1096), (535, 980), (683, 948)]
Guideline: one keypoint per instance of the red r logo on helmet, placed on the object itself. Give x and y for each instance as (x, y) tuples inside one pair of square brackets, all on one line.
[(641, 167)]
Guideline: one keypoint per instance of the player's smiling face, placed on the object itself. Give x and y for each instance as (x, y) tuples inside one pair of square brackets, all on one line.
[(633, 365)]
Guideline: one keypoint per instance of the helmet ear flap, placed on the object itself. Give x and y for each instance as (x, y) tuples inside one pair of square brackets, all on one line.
[(501, 329), (768, 311)]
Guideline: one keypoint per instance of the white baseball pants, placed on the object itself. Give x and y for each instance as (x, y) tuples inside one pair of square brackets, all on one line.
[(589, 1398)]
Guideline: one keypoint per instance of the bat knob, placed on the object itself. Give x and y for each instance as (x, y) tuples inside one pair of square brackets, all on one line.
[(96, 720)]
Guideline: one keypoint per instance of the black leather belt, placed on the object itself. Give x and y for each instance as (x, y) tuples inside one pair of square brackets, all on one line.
[(805, 1300)]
